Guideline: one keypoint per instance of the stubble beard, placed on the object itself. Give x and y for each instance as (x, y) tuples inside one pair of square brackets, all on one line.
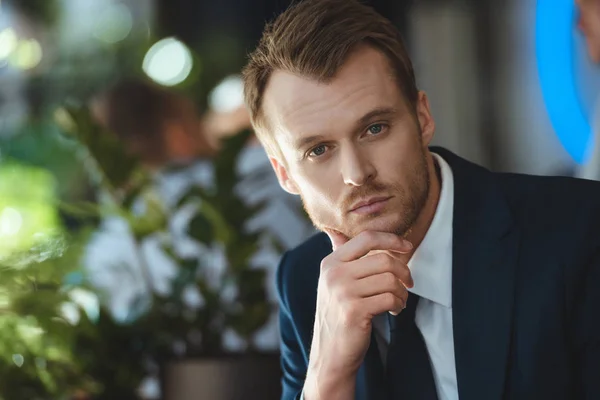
[(413, 201)]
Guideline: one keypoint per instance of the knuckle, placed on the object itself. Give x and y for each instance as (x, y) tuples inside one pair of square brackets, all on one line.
[(400, 304), (400, 301), (406, 274), (403, 295), (403, 273), (389, 300), (390, 279), (388, 262), (409, 280), (398, 240)]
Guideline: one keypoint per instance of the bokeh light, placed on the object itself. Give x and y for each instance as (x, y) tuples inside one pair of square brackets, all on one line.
[(88, 301), (26, 55), (114, 24), (10, 222), (168, 62), (228, 95), (18, 359), (27, 208), (8, 42)]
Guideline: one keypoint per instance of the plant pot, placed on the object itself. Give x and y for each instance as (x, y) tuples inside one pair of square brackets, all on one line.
[(244, 377)]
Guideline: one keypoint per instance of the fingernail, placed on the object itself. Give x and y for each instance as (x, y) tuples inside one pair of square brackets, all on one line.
[(408, 244)]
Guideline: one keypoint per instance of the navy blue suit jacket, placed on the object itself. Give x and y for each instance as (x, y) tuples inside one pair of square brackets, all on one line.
[(525, 290)]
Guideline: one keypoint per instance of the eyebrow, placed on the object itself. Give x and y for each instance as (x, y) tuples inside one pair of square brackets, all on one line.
[(364, 120), (376, 113)]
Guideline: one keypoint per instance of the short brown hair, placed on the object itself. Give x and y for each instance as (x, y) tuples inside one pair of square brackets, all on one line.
[(313, 38)]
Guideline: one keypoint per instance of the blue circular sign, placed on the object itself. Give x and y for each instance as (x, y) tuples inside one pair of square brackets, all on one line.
[(555, 63)]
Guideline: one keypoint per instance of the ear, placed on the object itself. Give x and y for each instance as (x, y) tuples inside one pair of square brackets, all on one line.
[(425, 119), (285, 181)]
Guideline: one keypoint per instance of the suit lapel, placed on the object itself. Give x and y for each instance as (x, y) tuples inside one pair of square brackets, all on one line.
[(485, 246)]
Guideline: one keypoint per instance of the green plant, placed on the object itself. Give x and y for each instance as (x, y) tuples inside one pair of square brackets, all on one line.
[(221, 219), (52, 345), (37, 360)]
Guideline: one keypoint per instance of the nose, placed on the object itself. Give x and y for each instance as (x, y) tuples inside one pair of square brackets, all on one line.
[(356, 167)]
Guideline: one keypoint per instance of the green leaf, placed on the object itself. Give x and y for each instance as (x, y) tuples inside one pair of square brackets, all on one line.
[(186, 275), (246, 322), (115, 164), (201, 229)]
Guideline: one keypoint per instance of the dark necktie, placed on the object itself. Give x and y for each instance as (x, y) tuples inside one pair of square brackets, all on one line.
[(409, 373)]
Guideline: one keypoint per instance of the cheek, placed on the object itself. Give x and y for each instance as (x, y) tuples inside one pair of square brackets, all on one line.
[(318, 193), (319, 189), (394, 157)]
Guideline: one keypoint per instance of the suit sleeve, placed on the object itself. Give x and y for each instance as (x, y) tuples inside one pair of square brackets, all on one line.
[(293, 363), (588, 332)]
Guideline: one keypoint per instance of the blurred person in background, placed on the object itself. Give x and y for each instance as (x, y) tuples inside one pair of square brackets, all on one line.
[(170, 137), (589, 25), (432, 278), (156, 125)]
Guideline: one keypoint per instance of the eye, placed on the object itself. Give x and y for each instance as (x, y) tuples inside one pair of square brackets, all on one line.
[(318, 151), (375, 129)]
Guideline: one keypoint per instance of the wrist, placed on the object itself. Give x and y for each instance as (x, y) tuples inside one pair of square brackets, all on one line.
[(334, 384)]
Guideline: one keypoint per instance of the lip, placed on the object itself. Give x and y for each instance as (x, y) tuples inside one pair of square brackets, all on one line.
[(374, 204)]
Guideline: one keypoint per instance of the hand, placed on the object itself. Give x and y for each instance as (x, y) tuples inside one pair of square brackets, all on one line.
[(363, 277)]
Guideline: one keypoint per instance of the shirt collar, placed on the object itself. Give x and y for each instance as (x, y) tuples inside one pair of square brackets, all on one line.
[(431, 263)]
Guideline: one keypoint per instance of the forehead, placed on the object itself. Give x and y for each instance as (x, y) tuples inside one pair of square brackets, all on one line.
[(298, 106)]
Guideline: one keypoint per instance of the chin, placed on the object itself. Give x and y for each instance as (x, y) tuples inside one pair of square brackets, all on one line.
[(380, 223)]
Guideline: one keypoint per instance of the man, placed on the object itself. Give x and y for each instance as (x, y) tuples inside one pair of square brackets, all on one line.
[(499, 273), (589, 25)]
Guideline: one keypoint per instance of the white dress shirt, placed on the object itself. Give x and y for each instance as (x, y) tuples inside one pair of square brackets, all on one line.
[(431, 269)]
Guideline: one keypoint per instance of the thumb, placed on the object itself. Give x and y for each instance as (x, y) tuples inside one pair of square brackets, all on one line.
[(337, 238)]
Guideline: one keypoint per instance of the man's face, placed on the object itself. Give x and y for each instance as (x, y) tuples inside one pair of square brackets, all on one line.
[(352, 141), (589, 24)]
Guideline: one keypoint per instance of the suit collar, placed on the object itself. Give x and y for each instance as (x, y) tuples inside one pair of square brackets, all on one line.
[(485, 246)]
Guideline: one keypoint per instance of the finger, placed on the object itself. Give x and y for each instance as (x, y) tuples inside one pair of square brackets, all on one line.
[(367, 241), (381, 283), (336, 237), (384, 302), (378, 264)]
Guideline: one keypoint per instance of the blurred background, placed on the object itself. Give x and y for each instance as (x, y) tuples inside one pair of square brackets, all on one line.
[(140, 222)]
